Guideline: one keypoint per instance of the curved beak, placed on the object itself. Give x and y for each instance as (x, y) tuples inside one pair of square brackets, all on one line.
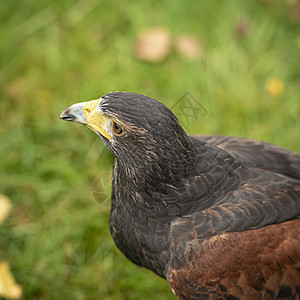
[(74, 113), (90, 115)]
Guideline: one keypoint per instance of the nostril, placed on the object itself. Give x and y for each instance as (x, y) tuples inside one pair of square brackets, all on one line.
[(89, 107)]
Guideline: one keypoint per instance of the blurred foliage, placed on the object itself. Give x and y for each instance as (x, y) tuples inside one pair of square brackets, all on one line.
[(55, 53)]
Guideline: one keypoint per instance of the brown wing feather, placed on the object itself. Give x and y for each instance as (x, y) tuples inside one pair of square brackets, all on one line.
[(255, 264), (258, 154)]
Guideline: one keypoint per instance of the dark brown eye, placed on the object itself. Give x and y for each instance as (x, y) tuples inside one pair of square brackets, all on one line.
[(117, 129)]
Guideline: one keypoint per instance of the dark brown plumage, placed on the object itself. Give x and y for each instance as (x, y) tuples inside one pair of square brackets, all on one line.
[(218, 217)]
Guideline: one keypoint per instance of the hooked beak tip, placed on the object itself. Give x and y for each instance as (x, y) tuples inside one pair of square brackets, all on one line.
[(63, 115), (74, 113), (66, 115)]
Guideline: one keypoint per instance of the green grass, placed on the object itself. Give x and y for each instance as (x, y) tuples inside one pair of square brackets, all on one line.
[(55, 53)]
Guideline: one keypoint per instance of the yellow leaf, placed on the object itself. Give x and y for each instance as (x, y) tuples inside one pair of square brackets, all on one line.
[(8, 287), (274, 87), (5, 208)]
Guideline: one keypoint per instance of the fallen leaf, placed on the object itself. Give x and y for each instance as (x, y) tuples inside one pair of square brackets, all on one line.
[(189, 47), (8, 287), (295, 11), (153, 45), (16, 90), (274, 87), (5, 208), (241, 28)]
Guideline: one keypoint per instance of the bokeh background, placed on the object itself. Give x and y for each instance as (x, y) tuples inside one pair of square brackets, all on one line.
[(239, 59)]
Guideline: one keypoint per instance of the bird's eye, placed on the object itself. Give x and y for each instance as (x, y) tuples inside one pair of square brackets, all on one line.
[(117, 129)]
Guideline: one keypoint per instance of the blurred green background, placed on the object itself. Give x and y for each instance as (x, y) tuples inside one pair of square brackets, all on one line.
[(55, 53)]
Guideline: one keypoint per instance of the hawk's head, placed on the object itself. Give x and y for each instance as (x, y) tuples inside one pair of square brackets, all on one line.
[(141, 132)]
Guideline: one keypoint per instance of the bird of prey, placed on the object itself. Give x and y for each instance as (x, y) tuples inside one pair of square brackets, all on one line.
[(217, 216)]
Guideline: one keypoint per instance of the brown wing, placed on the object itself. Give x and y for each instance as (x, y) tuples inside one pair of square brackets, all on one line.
[(255, 264), (258, 154)]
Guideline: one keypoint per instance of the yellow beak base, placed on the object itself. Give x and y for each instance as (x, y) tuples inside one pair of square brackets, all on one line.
[(96, 119)]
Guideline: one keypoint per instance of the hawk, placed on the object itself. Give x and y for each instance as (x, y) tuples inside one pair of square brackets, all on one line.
[(217, 216)]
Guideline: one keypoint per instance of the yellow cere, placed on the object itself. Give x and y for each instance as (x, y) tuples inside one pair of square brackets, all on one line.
[(95, 119)]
